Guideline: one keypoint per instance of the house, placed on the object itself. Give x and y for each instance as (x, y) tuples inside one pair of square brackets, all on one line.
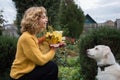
[(117, 23), (10, 30), (89, 20), (89, 23), (108, 23)]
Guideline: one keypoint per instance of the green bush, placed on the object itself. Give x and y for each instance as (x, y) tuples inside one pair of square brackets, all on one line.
[(7, 52), (63, 54), (70, 72), (100, 36), (0, 32)]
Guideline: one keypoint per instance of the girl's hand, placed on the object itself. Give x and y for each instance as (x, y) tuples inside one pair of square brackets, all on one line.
[(41, 39), (61, 44), (54, 48)]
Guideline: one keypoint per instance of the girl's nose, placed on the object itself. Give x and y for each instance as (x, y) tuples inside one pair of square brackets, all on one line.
[(46, 19)]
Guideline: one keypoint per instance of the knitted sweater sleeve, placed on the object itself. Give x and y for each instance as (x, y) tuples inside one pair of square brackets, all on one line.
[(32, 51)]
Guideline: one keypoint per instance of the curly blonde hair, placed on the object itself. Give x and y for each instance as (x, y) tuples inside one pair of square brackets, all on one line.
[(30, 21)]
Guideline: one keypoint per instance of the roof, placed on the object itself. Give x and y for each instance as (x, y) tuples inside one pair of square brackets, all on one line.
[(89, 20)]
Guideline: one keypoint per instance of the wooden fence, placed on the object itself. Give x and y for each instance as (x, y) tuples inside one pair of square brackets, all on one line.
[(88, 27)]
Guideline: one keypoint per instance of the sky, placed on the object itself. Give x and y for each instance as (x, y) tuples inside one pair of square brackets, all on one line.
[(99, 10), (9, 10)]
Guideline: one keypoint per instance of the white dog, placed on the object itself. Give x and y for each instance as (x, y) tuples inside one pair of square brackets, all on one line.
[(108, 69)]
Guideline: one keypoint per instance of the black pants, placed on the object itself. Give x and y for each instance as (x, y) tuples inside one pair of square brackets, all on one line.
[(47, 72)]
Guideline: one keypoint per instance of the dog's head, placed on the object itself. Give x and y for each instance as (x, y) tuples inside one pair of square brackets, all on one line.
[(98, 52)]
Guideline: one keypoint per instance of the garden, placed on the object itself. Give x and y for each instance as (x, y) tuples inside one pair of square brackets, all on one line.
[(66, 16), (72, 59)]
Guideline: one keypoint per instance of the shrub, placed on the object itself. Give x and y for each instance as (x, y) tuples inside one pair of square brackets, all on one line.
[(0, 32), (100, 36), (70, 72), (7, 52), (63, 54)]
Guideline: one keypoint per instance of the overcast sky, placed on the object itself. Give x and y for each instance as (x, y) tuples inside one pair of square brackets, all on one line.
[(9, 10), (99, 10)]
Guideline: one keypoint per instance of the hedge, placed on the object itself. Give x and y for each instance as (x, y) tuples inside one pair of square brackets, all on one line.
[(7, 52), (99, 36)]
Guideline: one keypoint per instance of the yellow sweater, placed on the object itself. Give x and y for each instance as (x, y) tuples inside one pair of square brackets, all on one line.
[(28, 55)]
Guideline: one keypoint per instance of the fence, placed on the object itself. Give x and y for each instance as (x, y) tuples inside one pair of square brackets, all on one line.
[(88, 27)]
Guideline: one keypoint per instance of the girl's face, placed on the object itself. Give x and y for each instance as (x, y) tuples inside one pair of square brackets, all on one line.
[(43, 21)]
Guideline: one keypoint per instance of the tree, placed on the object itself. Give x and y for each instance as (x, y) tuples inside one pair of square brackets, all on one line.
[(71, 18), (52, 7), (2, 20)]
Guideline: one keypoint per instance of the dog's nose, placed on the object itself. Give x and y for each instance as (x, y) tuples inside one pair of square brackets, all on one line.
[(87, 50)]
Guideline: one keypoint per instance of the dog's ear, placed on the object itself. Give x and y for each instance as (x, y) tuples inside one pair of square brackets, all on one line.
[(106, 51)]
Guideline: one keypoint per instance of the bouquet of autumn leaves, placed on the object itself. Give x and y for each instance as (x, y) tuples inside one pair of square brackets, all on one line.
[(54, 38)]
